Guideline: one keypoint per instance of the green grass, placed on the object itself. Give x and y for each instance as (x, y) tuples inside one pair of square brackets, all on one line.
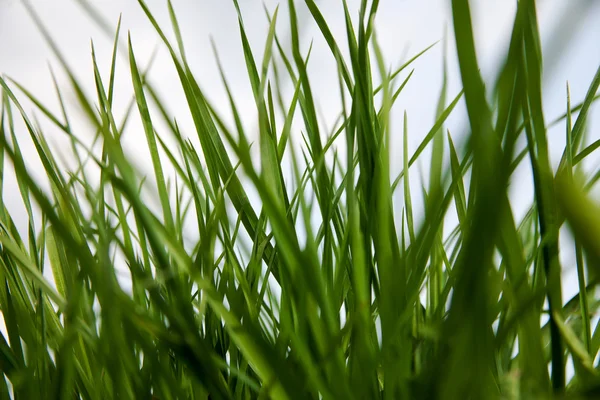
[(325, 287)]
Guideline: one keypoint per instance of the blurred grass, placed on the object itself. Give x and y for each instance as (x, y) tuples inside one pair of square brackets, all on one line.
[(371, 301)]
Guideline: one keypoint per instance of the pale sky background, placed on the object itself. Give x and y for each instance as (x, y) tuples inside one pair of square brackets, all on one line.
[(570, 38)]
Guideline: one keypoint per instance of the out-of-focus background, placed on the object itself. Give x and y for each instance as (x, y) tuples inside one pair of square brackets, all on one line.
[(570, 32)]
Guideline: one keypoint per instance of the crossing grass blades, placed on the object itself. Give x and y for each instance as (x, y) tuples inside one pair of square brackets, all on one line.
[(306, 277)]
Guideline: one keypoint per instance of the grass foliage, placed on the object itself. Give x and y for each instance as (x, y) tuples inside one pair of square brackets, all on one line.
[(327, 287)]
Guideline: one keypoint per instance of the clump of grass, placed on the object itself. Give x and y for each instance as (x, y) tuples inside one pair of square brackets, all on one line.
[(367, 302)]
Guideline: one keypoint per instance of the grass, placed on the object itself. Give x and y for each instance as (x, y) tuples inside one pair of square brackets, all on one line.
[(326, 287)]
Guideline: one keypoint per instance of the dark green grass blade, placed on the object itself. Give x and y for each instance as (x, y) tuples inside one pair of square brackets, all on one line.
[(467, 327), (544, 190)]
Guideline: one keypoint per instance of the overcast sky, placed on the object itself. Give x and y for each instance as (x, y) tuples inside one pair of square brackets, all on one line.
[(570, 38)]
